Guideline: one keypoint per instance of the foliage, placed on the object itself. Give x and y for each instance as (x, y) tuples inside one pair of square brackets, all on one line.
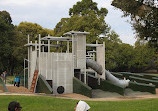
[(156, 61), (85, 7), (11, 45), (6, 40), (143, 55), (124, 56), (144, 18), (84, 16), (33, 30)]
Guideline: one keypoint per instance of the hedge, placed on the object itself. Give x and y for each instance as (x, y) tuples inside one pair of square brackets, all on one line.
[(142, 80), (106, 85), (42, 86), (80, 88), (142, 87)]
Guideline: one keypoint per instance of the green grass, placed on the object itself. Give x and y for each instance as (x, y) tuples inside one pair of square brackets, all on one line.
[(45, 103)]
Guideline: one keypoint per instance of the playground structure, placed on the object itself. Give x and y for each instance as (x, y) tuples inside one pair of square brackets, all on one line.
[(58, 66)]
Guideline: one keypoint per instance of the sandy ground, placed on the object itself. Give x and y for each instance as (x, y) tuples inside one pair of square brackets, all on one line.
[(15, 89), (12, 90)]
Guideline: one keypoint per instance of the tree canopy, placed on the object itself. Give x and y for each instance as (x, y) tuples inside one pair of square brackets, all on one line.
[(144, 18), (84, 16), (33, 30), (85, 7), (11, 44)]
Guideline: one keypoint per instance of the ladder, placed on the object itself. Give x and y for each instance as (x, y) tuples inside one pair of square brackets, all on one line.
[(34, 80)]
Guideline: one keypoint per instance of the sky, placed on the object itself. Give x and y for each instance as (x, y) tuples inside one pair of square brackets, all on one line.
[(48, 13)]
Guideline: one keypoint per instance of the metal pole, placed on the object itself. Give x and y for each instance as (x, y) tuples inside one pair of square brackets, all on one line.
[(67, 46), (39, 52), (24, 72), (48, 45), (29, 69)]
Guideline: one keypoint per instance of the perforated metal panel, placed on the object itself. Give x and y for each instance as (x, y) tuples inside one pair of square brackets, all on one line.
[(81, 52), (63, 71)]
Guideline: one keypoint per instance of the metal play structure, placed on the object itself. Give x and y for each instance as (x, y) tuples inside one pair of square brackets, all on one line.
[(56, 67)]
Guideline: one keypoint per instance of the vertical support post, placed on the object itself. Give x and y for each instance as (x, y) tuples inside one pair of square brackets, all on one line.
[(97, 61), (61, 46), (47, 63), (30, 52), (28, 58), (57, 47), (48, 45), (67, 46), (39, 57), (35, 45), (42, 47), (24, 72)]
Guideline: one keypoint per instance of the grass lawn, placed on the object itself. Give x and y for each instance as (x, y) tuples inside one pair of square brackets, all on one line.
[(45, 103)]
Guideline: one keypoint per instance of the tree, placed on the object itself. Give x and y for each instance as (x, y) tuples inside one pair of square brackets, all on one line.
[(118, 56), (124, 56), (143, 56), (84, 16), (6, 17), (112, 42), (6, 40), (33, 30), (144, 18), (85, 7), (11, 45)]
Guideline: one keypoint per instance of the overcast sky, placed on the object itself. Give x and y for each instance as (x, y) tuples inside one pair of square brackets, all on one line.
[(48, 13)]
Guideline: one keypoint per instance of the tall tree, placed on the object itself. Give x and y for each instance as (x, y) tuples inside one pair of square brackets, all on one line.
[(33, 30), (6, 40), (84, 16), (144, 18), (143, 56), (11, 45)]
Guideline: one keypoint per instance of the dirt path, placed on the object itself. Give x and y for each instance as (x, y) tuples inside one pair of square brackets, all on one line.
[(23, 91), (14, 89)]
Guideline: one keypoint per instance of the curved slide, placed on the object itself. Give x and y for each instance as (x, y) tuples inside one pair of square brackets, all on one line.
[(98, 68)]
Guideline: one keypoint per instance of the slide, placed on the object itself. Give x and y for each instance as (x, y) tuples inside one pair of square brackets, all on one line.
[(98, 68)]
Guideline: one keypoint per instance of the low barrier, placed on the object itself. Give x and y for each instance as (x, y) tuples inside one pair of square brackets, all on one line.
[(80, 88), (108, 86), (142, 87), (142, 80), (42, 86)]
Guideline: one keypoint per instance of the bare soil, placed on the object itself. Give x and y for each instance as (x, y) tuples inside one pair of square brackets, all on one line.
[(13, 90)]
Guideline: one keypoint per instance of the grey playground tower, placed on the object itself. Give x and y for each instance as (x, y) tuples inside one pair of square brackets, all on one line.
[(57, 67)]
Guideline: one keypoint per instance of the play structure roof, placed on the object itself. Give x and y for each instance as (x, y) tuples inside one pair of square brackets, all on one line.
[(76, 32), (45, 45), (57, 38)]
